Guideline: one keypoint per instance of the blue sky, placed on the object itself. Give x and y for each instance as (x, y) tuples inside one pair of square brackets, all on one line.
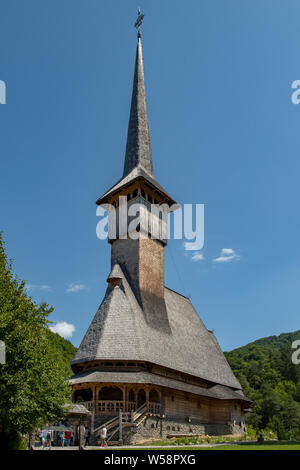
[(224, 133)]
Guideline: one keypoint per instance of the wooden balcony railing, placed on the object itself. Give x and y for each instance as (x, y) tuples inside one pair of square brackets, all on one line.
[(113, 407), (109, 407), (88, 404)]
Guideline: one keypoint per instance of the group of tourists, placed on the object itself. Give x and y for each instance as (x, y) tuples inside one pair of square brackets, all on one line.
[(46, 438), (63, 436), (60, 436)]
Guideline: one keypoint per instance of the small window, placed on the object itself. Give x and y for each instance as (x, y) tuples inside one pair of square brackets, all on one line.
[(178, 428), (168, 428), (143, 194)]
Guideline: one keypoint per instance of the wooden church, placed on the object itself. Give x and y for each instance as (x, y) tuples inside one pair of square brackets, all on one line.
[(147, 354)]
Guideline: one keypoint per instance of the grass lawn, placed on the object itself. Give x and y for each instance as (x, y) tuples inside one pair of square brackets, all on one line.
[(271, 445), (255, 447)]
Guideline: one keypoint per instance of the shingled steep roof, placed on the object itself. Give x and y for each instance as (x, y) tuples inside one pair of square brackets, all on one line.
[(119, 331), (138, 148)]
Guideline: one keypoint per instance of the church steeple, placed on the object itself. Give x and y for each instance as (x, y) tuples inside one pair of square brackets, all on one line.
[(138, 148), (138, 166)]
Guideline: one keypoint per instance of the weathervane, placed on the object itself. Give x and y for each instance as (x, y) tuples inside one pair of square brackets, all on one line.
[(139, 22)]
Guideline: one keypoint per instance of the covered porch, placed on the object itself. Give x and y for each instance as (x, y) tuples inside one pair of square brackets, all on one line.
[(110, 399)]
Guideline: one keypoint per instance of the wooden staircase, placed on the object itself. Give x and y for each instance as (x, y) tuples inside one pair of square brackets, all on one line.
[(116, 425)]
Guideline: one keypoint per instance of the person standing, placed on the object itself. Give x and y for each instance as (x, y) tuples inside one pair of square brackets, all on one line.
[(68, 438), (62, 438), (87, 435), (103, 436), (49, 438), (44, 437)]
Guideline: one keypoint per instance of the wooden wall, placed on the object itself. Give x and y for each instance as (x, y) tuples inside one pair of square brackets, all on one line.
[(201, 409)]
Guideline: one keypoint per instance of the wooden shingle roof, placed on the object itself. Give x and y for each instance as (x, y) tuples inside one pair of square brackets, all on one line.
[(119, 331), (219, 392)]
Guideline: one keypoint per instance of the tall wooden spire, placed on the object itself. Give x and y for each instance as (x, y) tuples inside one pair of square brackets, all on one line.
[(138, 148), (138, 166)]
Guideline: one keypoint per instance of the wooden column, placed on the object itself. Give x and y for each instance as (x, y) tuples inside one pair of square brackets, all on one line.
[(124, 397), (93, 410), (120, 427), (81, 434)]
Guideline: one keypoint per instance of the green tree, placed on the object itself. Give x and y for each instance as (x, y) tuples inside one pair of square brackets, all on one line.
[(290, 417), (33, 386), (270, 405), (289, 370)]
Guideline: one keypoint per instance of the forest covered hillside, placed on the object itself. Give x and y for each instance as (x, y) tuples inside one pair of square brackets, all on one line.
[(63, 350), (270, 378)]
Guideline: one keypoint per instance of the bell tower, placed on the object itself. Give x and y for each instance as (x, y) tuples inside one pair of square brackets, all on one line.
[(141, 255)]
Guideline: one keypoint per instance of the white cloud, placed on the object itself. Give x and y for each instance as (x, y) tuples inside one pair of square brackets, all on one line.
[(227, 255), (227, 251), (76, 287), (63, 328), (33, 287), (224, 259), (197, 256)]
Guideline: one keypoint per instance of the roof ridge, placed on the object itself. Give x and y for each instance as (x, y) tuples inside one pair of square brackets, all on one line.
[(178, 293)]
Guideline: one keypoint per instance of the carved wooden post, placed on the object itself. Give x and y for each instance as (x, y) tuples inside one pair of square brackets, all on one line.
[(125, 402), (81, 434), (160, 401), (120, 427), (93, 410)]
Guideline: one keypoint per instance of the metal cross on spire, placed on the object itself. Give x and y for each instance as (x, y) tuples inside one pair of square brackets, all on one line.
[(139, 22)]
